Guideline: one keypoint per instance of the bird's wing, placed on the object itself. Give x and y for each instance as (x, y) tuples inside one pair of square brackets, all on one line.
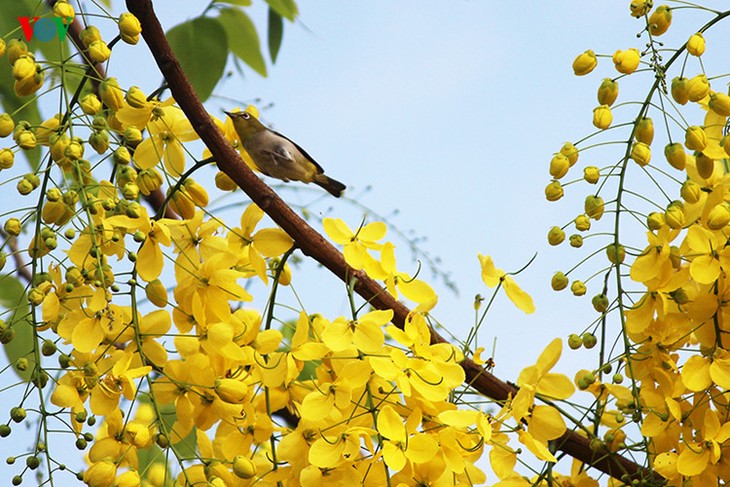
[(304, 153)]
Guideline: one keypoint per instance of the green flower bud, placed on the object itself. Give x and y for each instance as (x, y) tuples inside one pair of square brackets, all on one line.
[(578, 288), (616, 254), (644, 131), (674, 215), (594, 207), (554, 191), (680, 92), (582, 223), (655, 220), (99, 141), (676, 156), (559, 281), (132, 136), (90, 35), (607, 92), (556, 236), (136, 98), (16, 49), (12, 227), (576, 241), (111, 94)]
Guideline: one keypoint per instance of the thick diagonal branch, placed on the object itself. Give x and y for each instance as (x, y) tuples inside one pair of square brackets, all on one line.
[(317, 247)]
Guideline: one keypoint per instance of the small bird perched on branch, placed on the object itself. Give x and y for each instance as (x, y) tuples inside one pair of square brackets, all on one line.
[(279, 157)]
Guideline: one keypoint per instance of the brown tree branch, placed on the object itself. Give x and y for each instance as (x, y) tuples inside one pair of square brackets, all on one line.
[(317, 247)]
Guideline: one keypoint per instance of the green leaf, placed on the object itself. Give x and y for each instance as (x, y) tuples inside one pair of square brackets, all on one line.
[(286, 8), (276, 33), (243, 38), (12, 298), (202, 49), (184, 448)]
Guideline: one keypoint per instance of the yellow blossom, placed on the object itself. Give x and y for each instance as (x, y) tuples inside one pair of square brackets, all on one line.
[(357, 244), (493, 277), (168, 130)]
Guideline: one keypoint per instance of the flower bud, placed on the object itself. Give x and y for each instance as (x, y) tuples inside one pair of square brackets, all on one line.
[(556, 236), (7, 158), (99, 141), (720, 104), (574, 341), (100, 474), (554, 191), (132, 136), (156, 293), (695, 138), (578, 288), (136, 98), (582, 223), (197, 192), (121, 156), (594, 207), (655, 220), (718, 217), (149, 180), (129, 28), (231, 390), (675, 155), (111, 94), (571, 152), (6, 125), (660, 20), (130, 191), (16, 49), (641, 153), (2, 47), (24, 67), (725, 141), (182, 204), (696, 44), (626, 61), (584, 63), (644, 131), (607, 92), (705, 165), (615, 253), (26, 140), (674, 215), (698, 88), (600, 302), (224, 182), (24, 187), (639, 8), (690, 191), (12, 227), (53, 212), (31, 84), (58, 148), (680, 296), (90, 35), (90, 104), (244, 467), (591, 174), (74, 150), (63, 9), (680, 93), (559, 166), (559, 281), (99, 51), (576, 241), (602, 117), (126, 174)]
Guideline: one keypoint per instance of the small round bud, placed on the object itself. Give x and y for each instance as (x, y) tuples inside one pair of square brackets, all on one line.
[(571, 152), (99, 51), (695, 138), (680, 92), (129, 28), (243, 467), (582, 223), (674, 215), (690, 191), (600, 302), (12, 227), (90, 104), (559, 166), (675, 155), (574, 341), (576, 241), (644, 131), (559, 281), (224, 182), (615, 253), (594, 207), (641, 153), (655, 220), (698, 88), (591, 174), (578, 288), (556, 236), (7, 125), (660, 20)]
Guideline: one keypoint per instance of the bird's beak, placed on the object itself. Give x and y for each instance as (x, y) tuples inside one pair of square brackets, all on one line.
[(228, 113)]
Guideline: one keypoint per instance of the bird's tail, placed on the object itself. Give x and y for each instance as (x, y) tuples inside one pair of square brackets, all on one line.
[(333, 186)]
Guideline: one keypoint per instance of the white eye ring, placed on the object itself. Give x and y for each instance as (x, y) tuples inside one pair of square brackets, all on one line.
[(245, 115)]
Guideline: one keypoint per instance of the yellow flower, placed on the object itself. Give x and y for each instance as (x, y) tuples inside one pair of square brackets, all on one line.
[(119, 381), (607, 92), (414, 289), (493, 277), (602, 117), (168, 130), (402, 443), (696, 44), (267, 242), (357, 244), (660, 20), (365, 333)]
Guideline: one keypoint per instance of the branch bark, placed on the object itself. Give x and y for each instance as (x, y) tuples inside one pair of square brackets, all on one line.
[(314, 245)]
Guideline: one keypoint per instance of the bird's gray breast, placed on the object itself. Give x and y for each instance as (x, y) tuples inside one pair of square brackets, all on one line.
[(276, 156)]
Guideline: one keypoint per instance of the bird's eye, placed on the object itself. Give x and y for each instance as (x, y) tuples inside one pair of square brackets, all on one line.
[(246, 115)]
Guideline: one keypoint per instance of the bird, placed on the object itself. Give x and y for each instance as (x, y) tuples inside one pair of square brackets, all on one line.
[(278, 156)]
